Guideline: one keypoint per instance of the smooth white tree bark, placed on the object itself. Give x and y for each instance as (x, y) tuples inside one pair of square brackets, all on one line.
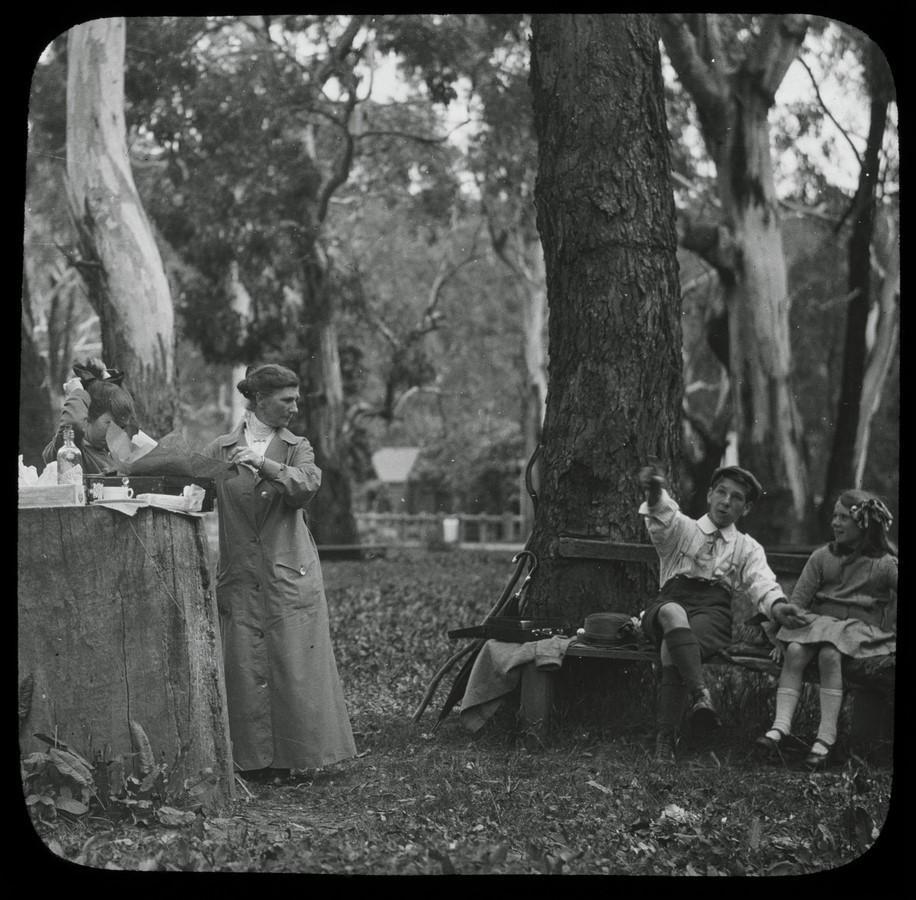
[(733, 102), (121, 261), (881, 349)]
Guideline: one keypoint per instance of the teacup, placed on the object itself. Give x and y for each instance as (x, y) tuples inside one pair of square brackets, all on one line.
[(117, 492)]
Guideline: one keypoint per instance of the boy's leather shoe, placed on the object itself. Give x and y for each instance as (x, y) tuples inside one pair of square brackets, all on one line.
[(664, 749), (702, 714)]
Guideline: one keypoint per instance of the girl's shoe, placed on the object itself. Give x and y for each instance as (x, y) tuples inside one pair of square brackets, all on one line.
[(819, 758), (771, 744)]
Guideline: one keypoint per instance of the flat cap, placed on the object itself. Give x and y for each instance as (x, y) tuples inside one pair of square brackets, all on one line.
[(742, 476)]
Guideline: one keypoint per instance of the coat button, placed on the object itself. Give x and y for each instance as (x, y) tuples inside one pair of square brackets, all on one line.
[(263, 493), (302, 570)]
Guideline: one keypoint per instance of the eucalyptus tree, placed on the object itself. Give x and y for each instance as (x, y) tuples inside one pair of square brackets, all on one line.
[(865, 368), (605, 213), (120, 260), (36, 423), (814, 212), (732, 67)]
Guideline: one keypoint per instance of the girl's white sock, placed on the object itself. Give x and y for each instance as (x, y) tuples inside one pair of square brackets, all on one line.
[(831, 702), (786, 701)]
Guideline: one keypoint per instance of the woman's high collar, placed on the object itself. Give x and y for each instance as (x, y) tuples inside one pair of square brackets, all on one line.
[(258, 430)]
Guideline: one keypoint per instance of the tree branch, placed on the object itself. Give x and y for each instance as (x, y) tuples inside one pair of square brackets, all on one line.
[(420, 139), (444, 275), (341, 169), (416, 389), (331, 65), (827, 112), (713, 243), (775, 49), (698, 78)]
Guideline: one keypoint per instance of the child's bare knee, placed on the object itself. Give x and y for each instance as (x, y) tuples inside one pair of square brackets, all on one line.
[(672, 615)]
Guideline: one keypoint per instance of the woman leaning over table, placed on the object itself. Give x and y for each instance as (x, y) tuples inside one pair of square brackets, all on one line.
[(94, 401), (286, 705)]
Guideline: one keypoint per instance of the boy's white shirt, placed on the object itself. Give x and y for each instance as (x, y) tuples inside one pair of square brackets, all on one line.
[(739, 562)]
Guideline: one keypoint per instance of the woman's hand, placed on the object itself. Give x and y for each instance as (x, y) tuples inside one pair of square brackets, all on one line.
[(245, 456)]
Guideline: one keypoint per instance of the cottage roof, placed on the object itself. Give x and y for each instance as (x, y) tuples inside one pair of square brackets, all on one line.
[(393, 464)]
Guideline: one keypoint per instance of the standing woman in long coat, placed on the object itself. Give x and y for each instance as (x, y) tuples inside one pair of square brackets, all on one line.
[(286, 705)]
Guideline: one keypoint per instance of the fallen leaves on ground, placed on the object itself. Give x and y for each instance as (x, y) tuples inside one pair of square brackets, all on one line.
[(422, 801)]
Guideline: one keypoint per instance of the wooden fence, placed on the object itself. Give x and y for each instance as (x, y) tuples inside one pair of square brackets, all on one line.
[(424, 528)]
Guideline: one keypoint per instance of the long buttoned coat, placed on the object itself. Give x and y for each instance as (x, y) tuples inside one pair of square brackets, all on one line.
[(286, 704)]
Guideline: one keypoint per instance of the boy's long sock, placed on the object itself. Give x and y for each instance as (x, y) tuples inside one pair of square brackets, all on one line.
[(672, 695), (685, 654)]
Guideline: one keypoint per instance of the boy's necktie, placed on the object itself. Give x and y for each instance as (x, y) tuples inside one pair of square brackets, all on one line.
[(710, 549)]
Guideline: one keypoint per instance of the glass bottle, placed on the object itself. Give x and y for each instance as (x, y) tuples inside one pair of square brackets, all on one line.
[(69, 460)]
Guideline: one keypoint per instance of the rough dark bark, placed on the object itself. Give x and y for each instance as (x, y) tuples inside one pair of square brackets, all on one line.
[(118, 623), (606, 219)]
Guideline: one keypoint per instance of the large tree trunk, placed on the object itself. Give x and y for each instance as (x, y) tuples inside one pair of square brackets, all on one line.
[(36, 420), (121, 262), (732, 108), (845, 463), (880, 357), (521, 252), (331, 516), (118, 624), (241, 304), (770, 436), (535, 404), (606, 218)]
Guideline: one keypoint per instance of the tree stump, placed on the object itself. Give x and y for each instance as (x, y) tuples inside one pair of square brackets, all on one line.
[(118, 625)]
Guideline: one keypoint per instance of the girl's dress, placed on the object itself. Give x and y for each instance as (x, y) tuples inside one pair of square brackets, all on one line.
[(850, 602)]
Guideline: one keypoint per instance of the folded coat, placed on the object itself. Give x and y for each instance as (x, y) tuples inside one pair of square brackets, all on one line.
[(497, 671)]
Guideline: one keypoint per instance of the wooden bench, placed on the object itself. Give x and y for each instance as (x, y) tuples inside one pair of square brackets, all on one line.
[(873, 679)]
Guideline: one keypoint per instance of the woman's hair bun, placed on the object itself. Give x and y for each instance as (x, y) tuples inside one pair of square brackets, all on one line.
[(244, 388), (265, 379)]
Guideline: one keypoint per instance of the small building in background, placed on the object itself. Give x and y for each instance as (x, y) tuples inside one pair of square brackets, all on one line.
[(389, 492)]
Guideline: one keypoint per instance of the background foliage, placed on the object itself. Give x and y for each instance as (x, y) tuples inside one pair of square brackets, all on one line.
[(230, 145)]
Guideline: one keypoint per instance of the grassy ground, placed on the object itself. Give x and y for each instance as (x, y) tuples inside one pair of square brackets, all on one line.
[(420, 800)]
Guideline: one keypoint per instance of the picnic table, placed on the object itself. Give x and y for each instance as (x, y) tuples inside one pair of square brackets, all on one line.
[(118, 628)]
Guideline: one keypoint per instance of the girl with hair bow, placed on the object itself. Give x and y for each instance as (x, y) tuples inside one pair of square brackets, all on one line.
[(848, 590)]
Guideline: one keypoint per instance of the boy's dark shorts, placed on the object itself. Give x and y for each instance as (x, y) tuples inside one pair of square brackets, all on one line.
[(708, 607)]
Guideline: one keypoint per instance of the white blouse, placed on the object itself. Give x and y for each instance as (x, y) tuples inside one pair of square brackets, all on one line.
[(257, 434)]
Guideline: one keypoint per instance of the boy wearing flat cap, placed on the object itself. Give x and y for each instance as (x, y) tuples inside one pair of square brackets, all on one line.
[(703, 563)]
